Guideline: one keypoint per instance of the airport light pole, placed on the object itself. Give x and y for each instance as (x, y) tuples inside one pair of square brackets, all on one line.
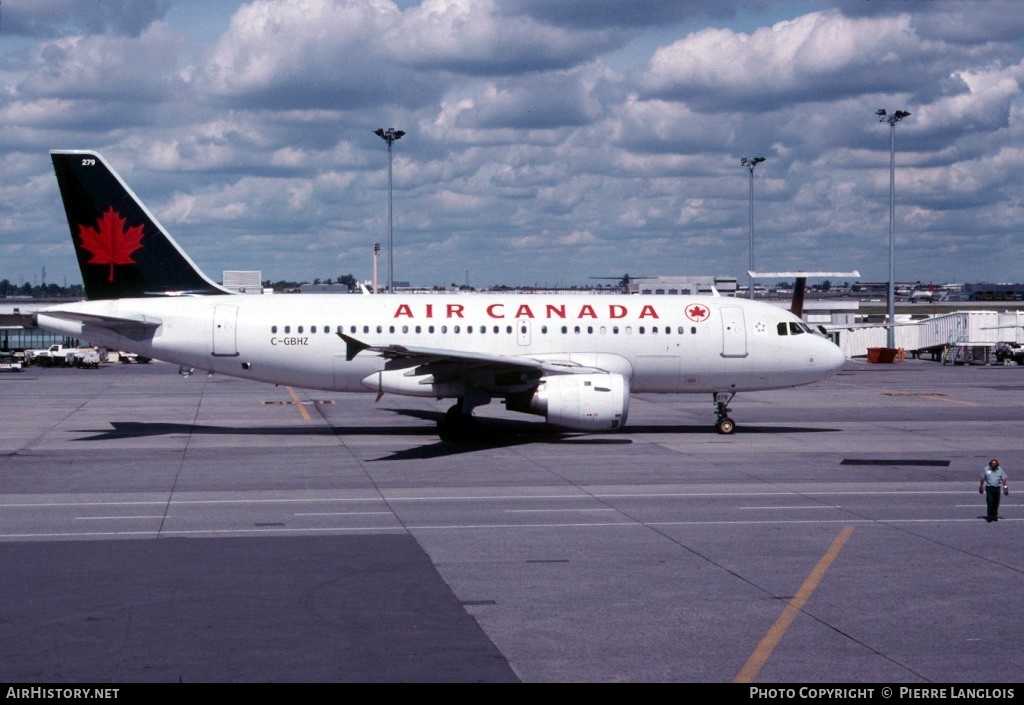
[(890, 334), (376, 253), (389, 136), (750, 163)]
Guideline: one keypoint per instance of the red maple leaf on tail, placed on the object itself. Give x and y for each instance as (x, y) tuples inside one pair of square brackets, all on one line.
[(109, 242)]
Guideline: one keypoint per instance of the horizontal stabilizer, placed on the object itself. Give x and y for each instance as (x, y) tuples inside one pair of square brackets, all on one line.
[(118, 324)]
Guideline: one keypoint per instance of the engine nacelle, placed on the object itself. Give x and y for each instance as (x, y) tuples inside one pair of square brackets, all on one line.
[(409, 384), (587, 402)]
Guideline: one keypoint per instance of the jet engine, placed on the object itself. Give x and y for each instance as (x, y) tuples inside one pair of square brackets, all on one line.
[(583, 402)]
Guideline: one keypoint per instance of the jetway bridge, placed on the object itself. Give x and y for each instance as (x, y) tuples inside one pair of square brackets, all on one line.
[(962, 337)]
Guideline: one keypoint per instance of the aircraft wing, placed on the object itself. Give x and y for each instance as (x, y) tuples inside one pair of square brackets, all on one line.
[(446, 365)]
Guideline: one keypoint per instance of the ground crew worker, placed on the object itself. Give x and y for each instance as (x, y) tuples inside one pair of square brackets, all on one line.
[(993, 479)]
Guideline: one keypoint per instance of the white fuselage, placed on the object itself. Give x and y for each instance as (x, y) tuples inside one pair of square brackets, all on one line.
[(659, 343)]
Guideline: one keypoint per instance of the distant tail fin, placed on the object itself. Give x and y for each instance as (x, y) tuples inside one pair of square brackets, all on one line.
[(122, 250)]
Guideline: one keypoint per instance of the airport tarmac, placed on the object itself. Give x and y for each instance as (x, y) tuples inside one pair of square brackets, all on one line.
[(161, 528)]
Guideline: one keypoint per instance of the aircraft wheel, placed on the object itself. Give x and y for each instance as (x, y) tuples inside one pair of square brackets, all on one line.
[(725, 426), (456, 426)]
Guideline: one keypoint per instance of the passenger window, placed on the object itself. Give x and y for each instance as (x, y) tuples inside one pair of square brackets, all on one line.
[(287, 329), (380, 329), (300, 329), (405, 329), (366, 329), (418, 329), (312, 329), (273, 329)]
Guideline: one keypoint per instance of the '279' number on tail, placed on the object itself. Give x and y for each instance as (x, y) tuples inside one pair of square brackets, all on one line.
[(88, 162)]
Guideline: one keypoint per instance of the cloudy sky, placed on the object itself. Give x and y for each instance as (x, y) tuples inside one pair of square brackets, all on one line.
[(547, 142)]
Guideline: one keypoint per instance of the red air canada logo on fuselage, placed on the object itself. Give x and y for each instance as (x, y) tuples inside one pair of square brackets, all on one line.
[(109, 242), (697, 313)]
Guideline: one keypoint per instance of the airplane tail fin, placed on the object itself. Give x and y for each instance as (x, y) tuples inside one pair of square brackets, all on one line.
[(122, 250), (797, 307)]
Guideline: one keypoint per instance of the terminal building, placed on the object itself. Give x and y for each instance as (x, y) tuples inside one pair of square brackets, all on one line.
[(18, 329), (683, 286)]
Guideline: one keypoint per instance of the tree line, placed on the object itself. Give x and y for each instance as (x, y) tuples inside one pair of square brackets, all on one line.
[(9, 289)]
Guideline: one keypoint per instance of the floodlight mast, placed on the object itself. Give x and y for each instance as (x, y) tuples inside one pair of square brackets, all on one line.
[(890, 335), (750, 163), (389, 136)]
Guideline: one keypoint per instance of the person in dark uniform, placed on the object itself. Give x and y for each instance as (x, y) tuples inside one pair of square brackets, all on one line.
[(993, 480)]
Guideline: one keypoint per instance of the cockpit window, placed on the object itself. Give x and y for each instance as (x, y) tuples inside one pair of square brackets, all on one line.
[(793, 328)]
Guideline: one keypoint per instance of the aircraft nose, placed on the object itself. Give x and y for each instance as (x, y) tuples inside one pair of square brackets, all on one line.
[(832, 357)]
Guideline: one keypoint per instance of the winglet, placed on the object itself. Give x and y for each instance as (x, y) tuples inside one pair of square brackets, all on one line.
[(352, 346)]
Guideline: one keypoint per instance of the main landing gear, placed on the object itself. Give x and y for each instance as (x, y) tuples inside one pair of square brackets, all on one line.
[(458, 423), (723, 423)]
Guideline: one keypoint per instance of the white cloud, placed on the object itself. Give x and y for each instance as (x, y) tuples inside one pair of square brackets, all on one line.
[(814, 55), (472, 37), (310, 53), (101, 67)]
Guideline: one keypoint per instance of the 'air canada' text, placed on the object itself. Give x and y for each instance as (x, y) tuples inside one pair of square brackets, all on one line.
[(500, 311)]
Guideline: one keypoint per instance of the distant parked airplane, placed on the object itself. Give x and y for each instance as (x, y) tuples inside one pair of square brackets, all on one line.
[(625, 282)]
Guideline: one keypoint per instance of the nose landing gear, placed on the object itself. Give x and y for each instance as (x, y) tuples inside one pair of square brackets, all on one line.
[(723, 424)]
